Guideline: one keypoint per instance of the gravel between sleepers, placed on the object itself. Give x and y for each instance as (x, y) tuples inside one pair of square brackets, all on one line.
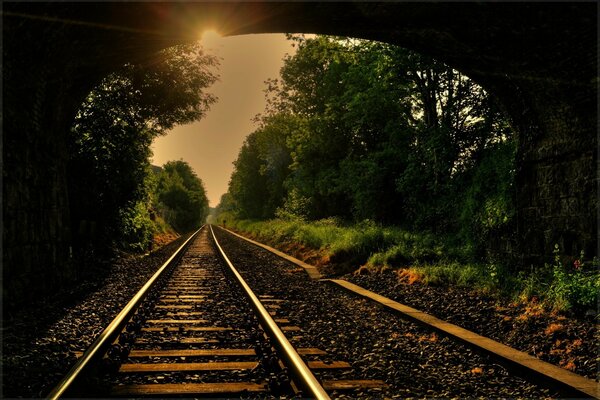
[(414, 361), (38, 343), (224, 306)]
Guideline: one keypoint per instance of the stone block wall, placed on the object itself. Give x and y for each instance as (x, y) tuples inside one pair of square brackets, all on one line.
[(558, 200), (557, 178), (50, 64), (35, 215)]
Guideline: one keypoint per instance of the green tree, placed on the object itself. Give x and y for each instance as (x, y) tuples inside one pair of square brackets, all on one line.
[(453, 122), (247, 185), (181, 196), (378, 132), (486, 216), (258, 183), (310, 80), (111, 136)]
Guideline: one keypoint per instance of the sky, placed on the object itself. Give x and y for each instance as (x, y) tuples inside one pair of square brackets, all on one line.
[(212, 144)]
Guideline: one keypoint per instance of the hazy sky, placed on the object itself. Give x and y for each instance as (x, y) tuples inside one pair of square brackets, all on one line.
[(212, 144)]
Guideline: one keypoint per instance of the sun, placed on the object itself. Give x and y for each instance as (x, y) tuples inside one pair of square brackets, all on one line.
[(209, 35)]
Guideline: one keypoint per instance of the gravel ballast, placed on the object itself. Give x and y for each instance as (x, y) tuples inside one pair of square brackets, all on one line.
[(565, 339), (414, 361), (224, 306), (39, 343), (571, 343)]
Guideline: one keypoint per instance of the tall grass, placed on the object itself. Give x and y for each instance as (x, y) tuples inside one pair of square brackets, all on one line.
[(432, 260), (374, 243)]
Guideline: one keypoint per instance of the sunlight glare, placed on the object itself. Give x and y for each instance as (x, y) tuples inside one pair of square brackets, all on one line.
[(209, 36)]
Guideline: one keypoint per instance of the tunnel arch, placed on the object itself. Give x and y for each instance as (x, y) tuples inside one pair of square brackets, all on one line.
[(539, 59)]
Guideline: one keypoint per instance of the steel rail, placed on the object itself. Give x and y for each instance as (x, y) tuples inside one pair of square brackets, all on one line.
[(302, 374), (114, 328)]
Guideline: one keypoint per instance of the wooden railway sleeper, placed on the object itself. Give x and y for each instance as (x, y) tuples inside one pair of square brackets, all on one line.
[(277, 376)]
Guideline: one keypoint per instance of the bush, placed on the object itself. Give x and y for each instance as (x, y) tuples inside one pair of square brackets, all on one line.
[(572, 287), (136, 228), (181, 196), (361, 242)]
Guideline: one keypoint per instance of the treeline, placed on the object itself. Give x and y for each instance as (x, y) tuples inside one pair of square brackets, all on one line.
[(180, 197), (116, 200), (363, 130)]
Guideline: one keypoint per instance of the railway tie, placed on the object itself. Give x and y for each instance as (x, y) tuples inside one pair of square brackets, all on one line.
[(197, 332)]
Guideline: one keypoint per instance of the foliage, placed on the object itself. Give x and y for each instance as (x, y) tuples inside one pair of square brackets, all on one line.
[(257, 186), (296, 206), (181, 196), (362, 242), (444, 274), (362, 130), (562, 286), (488, 202), (574, 287), (424, 258), (357, 134), (378, 247), (137, 229), (109, 145)]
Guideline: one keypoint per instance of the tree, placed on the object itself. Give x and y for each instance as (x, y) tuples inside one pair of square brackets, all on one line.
[(247, 185), (181, 196), (378, 132), (452, 121), (258, 183), (111, 136)]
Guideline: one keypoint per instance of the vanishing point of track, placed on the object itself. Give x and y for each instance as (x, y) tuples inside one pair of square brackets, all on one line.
[(197, 329)]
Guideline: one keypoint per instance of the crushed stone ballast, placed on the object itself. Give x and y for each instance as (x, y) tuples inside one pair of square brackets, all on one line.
[(532, 367)]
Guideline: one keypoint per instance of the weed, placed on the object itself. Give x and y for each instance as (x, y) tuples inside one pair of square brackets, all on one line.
[(409, 276), (432, 338), (573, 287), (568, 364), (363, 270)]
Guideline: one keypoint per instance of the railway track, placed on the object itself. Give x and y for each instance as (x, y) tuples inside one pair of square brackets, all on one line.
[(197, 329)]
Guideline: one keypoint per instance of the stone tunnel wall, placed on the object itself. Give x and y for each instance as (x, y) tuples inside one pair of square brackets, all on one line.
[(35, 230), (53, 65), (557, 180), (567, 219)]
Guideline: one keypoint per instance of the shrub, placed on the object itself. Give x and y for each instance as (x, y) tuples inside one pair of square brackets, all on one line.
[(573, 287), (136, 228)]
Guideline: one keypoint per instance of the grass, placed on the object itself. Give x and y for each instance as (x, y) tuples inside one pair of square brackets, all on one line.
[(367, 247), (490, 279), (362, 242)]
